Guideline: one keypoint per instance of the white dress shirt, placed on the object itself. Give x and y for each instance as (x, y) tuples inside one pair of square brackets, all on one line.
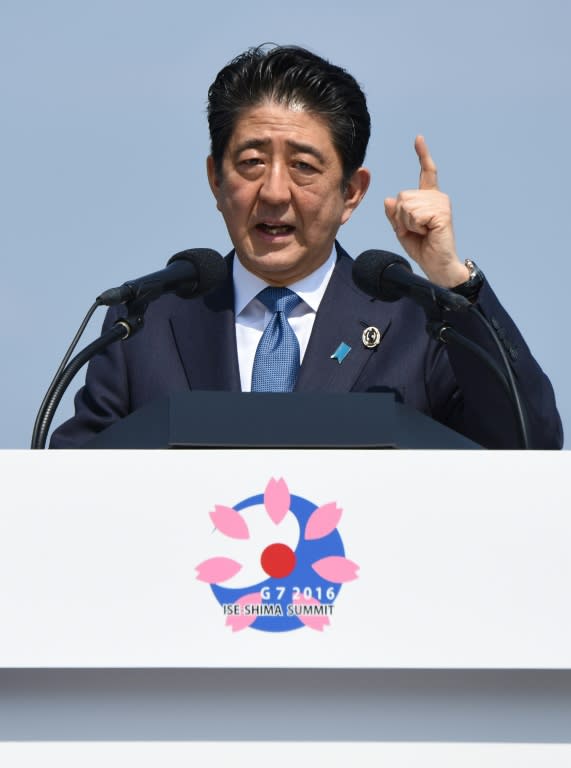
[(252, 315)]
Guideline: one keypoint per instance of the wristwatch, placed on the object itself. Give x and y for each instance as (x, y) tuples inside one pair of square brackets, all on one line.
[(471, 288)]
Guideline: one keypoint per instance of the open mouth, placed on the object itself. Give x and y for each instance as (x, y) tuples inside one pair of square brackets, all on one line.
[(275, 229)]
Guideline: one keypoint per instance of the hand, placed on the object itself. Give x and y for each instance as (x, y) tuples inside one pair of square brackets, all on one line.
[(422, 221)]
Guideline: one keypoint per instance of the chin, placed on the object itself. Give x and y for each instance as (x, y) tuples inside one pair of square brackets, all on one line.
[(275, 271), (275, 260)]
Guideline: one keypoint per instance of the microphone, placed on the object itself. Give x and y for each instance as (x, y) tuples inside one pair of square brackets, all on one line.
[(389, 277), (188, 273)]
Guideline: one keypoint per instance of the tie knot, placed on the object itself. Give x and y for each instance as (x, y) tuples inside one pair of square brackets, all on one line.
[(279, 299)]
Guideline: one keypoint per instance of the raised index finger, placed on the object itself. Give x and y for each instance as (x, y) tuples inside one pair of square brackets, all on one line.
[(428, 171)]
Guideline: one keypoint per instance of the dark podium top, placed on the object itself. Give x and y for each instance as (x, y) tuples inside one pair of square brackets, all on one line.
[(275, 420)]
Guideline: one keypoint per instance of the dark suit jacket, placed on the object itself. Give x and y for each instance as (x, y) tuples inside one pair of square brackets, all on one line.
[(191, 344)]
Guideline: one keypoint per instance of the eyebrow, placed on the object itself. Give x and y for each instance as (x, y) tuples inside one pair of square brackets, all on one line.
[(296, 145)]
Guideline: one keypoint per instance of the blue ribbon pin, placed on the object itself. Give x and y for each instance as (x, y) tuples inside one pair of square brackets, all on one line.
[(341, 352)]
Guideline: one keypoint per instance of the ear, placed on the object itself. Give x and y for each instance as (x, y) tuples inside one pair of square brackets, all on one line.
[(355, 191), (213, 179)]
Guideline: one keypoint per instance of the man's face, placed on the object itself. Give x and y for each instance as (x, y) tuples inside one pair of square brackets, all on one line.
[(281, 193)]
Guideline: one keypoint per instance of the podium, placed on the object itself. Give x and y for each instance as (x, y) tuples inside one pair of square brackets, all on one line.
[(454, 640), (279, 420)]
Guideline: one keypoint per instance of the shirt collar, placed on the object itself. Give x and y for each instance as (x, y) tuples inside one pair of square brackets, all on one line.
[(310, 288)]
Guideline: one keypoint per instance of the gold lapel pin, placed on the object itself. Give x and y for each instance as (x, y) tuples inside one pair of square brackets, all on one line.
[(371, 337)]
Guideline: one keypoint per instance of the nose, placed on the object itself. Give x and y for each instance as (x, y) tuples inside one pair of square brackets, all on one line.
[(275, 188)]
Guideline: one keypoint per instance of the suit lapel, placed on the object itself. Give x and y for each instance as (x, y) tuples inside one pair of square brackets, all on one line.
[(205, 336), (343, 315)]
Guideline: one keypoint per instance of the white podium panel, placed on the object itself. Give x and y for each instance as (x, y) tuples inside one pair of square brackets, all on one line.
[(247, 754), (391, 559)]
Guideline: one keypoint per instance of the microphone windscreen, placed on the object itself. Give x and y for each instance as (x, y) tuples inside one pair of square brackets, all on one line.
[(368, 271), (210, 266)]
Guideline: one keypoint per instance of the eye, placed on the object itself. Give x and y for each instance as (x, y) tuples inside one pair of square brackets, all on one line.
[(250, 167), (250, 162), (303, 166)]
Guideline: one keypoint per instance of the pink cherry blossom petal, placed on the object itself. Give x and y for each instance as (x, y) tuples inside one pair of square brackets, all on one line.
[(277, 499), (229, 522), (217, 569), (313, 621), (322, 521), (336, 569), (241, 621)]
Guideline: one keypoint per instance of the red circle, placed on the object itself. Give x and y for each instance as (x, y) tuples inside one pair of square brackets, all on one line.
[(278, 560)]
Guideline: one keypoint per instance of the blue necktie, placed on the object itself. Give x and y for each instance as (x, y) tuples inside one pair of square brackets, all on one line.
[(276, 363)]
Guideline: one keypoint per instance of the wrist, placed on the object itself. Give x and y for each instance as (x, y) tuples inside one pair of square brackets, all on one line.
[(459, 275), (454, 274), (470, 288)]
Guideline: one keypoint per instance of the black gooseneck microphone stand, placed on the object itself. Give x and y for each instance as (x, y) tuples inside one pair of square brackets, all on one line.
[(122, 329), (441, 331)]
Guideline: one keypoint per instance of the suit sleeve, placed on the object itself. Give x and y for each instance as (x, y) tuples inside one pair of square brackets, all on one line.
[(480, 407)]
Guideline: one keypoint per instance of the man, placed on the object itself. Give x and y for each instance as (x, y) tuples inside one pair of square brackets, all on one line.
[(289, 132)]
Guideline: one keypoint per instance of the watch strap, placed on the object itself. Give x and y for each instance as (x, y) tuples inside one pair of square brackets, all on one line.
[(471, 288)]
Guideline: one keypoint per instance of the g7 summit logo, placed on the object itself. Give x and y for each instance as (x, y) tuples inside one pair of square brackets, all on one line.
[(281, 563)]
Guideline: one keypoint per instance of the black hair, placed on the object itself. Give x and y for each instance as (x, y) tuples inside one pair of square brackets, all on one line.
[(294, 77)]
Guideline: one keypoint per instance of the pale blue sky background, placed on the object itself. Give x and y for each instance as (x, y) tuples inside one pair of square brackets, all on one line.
[(103, 140)]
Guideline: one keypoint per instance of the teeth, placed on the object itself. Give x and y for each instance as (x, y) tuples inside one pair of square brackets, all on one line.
[(281, 230)]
